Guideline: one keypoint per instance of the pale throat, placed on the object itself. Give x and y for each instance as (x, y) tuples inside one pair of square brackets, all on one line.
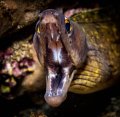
[(57, 55)]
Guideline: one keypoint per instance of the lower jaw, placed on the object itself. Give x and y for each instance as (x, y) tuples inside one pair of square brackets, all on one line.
[(55, 100), (54, 96)]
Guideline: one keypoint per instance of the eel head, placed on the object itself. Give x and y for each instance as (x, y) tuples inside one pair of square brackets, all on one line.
[(61, 49)]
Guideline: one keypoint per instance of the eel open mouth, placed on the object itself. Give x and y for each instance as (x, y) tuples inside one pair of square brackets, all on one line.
[(58, 64), (54, 43), (57, 85)]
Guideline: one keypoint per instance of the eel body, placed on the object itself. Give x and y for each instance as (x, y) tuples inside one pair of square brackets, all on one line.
[(81, 57)]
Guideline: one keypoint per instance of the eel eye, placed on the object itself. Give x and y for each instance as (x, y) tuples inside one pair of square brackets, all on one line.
[(68, 25), (38, 29)]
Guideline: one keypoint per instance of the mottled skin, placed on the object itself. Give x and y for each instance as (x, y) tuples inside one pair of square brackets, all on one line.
[(102, 67), (82, 58)]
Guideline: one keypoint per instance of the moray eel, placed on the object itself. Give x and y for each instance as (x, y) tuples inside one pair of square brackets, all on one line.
[(76, 56)]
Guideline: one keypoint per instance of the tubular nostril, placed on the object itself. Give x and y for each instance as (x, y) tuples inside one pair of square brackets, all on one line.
[(49, 19)]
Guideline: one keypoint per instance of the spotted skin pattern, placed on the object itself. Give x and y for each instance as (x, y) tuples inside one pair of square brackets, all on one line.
[(81, 54)]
